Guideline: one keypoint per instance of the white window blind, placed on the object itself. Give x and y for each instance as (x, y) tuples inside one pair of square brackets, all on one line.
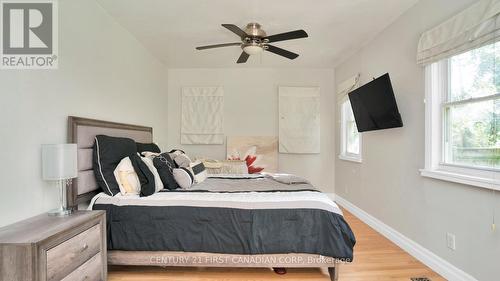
[(347, 86), (202, 115), (476, 26), (299, 124)]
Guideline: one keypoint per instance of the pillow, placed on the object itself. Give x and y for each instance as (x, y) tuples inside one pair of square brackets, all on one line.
[(127, 178), (149, 154), (180, 158), (151, 166), (173, 151), (146, 177), (182, 161), (287, 178), (234, 167), (183, 177), (165, 166), (141, 147), (212, 166), (199, 172), (107, 154)]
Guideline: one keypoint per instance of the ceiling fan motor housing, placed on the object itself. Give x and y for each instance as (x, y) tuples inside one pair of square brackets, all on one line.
[(254, 43), (254, 29)]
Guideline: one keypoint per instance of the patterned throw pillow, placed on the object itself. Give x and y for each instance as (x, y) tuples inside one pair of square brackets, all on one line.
[(165, 167)]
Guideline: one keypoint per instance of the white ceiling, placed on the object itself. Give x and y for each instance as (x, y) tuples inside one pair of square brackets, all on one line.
[(171, 29)]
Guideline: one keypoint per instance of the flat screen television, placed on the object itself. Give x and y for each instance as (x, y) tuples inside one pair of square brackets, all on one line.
[(374, 105)]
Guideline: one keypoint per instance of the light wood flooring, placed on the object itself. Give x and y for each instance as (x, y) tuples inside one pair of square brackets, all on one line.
[(375, 259)]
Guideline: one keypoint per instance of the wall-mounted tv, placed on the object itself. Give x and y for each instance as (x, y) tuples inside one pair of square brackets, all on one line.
[(374, 105)]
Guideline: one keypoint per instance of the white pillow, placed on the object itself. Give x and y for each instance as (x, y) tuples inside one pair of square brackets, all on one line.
[(182, 160), (286, 178), (183, 177), (158, 183), (127, 178)]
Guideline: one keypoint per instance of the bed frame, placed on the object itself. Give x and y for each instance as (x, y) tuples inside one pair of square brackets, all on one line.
[(82, 132)]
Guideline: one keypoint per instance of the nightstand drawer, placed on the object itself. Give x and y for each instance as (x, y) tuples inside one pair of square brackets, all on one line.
[(89, 271), (69, 255)]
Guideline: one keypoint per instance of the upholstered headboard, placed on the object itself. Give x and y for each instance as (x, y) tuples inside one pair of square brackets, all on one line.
[(82, 131)]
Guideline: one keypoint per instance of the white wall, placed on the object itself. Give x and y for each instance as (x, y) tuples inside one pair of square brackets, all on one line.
[(388, 184), (251, 109), (103, 73)]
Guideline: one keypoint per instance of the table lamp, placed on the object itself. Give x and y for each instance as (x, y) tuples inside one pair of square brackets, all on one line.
[(59, 163)]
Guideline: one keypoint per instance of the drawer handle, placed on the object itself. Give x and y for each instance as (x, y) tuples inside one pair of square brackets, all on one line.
[(85, 247)]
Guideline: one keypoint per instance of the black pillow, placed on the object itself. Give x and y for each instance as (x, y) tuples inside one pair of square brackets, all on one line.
[(152, 147), (108, 152), (165, 166), (146, 177)]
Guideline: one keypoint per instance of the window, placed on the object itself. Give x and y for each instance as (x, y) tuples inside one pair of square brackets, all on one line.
[(463, 117), (350, 138)]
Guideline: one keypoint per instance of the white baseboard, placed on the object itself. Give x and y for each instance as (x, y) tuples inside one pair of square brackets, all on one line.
[(436, 263)]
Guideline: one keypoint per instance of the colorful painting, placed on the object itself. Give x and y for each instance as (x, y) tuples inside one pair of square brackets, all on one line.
[(260, 153)]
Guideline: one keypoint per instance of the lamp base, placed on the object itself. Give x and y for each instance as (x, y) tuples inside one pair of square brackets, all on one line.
[(63, 210), (60, 212)]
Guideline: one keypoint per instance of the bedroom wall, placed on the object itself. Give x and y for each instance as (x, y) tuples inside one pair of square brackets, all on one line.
[(251, 109), (103, 73), (388, 184)]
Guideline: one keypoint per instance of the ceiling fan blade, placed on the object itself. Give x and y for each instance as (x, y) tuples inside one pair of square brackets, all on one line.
[(238, 31), (243, 57), (287, 36), (281, 52), (218, 46)]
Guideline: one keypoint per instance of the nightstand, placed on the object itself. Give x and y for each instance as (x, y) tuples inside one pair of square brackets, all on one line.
[(49, 248)]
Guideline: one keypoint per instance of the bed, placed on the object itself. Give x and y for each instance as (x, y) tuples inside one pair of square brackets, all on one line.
[(222, 222)]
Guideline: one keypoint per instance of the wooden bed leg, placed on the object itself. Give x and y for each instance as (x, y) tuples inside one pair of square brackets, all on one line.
[(334, 272)]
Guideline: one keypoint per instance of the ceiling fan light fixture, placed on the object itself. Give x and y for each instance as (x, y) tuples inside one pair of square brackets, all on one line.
[(253, 49)]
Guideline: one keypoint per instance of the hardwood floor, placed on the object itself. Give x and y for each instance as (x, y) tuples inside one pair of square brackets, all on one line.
[(375, 259)]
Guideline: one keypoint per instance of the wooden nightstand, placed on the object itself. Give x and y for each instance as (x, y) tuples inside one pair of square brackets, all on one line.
[(48, 248)]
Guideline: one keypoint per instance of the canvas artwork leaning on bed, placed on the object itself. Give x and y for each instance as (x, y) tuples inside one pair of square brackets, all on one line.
[(163, 204)]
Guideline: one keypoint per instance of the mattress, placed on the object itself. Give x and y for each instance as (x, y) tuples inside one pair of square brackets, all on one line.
[(243, 216)]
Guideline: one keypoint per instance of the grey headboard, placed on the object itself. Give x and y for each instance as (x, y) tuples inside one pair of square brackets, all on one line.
[(82, 131)]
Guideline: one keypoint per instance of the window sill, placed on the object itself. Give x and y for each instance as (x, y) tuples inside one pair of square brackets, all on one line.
[(350, 158), (483, 182)]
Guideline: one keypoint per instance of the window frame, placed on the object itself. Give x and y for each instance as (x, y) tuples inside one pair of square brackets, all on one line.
[(344, 154), (436, 101)]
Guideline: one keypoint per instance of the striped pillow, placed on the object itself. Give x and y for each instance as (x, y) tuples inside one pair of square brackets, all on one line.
[(199, 171)]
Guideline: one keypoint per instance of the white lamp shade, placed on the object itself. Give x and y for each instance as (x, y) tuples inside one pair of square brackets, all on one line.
[(59, 161), (252, 49)]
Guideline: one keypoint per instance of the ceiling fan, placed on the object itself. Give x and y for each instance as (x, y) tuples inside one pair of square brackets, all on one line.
[(254, 40)]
